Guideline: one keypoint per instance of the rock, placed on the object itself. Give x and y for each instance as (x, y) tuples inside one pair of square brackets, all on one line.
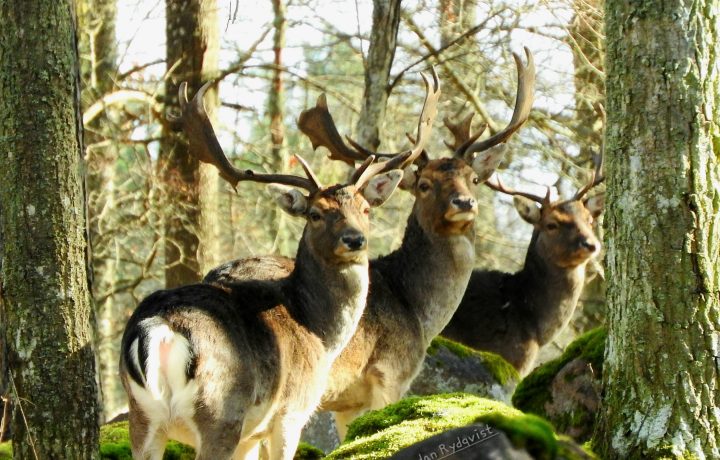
[(566, 390), (406, 430), (320, 432), (472, 442), (451, 367)]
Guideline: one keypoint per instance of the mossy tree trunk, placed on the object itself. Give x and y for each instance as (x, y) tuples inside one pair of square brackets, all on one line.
[(383, 41), (191, 55), (662, 231), (45, 291)]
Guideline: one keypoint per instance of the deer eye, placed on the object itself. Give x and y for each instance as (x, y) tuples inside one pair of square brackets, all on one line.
[(315, 216), (552, 226), (366, 211), (476, 180), (424, 187)]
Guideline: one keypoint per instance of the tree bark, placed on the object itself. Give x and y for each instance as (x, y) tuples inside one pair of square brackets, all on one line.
[(45, 291), (191, 55), (662, 231), (383, 40)]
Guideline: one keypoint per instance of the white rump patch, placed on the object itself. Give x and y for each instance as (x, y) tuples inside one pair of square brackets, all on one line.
[(167, 395)]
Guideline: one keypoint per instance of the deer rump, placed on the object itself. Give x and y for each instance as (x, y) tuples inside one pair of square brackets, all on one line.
[(180, 337)]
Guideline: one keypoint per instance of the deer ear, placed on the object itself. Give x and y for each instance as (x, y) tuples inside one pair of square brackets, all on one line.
[(291, 200), (595, 204), (380, 187), (527, 208), (485, 163), (409, 179)]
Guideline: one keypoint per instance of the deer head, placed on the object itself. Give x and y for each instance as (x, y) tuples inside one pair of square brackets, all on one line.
[(564, 234), (337, 216), (443, 188)]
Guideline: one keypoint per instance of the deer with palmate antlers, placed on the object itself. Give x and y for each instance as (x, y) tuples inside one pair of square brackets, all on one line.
[(514, 314), (415, 289), (220, 368)]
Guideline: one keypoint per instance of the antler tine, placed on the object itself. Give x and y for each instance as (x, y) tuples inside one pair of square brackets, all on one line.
[(318, 125), (361, 169), (427, 117), (499, 187), (425, 123), (205, 146), (523, 105), (596, 178), (308, 171), (461, 132)]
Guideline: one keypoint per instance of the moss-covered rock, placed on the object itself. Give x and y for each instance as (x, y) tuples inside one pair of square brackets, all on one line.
[(6, 451), (566, 390), (452, 367), (380, 434), (115, 445)]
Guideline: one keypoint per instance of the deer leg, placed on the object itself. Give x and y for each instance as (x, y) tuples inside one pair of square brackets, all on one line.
[(343, 419), (285, 435), (147, 441), (219, 441), (248, 449)]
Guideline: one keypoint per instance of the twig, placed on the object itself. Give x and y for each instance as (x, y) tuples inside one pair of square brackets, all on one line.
[(22, 412)]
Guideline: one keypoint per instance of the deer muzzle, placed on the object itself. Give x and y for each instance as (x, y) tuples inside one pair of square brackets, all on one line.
[(462, 209), (351, 242)]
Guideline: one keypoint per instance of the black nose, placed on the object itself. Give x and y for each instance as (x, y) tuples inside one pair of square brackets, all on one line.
[(585, 244), (353, 242), (463, 203)]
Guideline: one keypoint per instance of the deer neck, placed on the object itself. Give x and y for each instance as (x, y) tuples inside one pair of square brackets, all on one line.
[(429, 274), (328, 299), (550, 292)]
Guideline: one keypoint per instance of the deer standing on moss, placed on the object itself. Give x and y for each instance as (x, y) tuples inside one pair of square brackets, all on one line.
[(514, 314), (220, 368), (415, 289)]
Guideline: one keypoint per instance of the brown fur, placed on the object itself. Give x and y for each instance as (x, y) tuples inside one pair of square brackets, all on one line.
[(260, 348), (516, 314), (413, 293)]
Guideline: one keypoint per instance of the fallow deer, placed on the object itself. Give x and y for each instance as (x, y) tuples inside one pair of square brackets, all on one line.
[(219, 368), (514, 314), (415, 289)]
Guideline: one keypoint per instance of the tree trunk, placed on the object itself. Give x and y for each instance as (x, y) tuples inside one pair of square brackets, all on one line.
[(383, 40), (191, 54), (214, 201), (662, 231), (98, 69), (45, 292), (588, 49)]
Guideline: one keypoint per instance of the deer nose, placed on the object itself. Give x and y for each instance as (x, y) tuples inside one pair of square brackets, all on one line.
[(354, 241), (464, 203), (587, 244)]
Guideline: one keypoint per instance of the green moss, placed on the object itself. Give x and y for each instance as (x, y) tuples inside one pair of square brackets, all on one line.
[(533, 391), (501, 370), (527, 431), (306, 451), (6, 451), (115, 445), (379, 434)]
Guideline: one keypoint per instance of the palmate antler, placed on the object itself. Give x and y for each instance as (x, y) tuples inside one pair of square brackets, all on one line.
[(204, 144), (319, 126), (465, 144)]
